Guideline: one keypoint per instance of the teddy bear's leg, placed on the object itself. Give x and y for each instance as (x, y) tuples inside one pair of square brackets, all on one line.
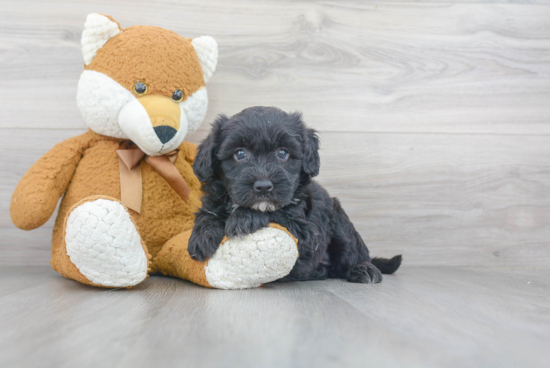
[(100, 245), (247, 262), (174, 260)]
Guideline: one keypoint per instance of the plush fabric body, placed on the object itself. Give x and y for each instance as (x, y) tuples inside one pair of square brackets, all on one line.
[(87, 166), (94, 163), (163, 214)]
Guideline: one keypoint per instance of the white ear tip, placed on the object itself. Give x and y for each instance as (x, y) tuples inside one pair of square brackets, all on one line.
[(207, 50), (98, 29)]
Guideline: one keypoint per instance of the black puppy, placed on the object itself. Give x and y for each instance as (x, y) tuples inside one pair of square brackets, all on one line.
[(256, 168)]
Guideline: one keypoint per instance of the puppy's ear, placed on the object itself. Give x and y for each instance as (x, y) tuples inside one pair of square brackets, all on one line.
[(206, 163), (311, 161)]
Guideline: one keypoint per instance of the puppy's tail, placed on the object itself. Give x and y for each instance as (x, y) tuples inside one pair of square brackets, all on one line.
[(387, 266)]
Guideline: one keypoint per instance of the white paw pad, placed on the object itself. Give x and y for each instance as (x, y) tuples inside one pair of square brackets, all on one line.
[(103, 243), (264, 256)]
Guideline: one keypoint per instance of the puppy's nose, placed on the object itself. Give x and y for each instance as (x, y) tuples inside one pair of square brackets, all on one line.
[(165, 132), (263, 186)]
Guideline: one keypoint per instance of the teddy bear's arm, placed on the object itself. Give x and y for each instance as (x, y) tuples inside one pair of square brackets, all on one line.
[(189, 151), (38, 191)]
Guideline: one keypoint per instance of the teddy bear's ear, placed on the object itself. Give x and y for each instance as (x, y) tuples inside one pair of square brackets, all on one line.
[(207, 49), (98, 29)]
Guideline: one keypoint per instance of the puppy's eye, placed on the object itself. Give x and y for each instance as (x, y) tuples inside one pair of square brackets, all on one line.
[(282, 154), (140, 88), (177, 96), (239, 155)]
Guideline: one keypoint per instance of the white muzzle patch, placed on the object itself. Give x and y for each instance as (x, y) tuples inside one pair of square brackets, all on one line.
[(264, 206), (111, 110), (136, 124), (100, 99)]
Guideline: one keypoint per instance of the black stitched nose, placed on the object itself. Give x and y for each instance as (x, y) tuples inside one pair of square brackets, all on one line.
[(263, 186), (165, 133)]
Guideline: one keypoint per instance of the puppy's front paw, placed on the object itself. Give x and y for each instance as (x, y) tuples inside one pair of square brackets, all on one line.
[(365, 273), (203, 244), (245, 221)]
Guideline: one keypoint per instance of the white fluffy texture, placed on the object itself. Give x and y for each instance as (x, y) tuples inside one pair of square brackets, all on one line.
[(207, 49), (103, 243), (247, 262), (110, 109), (100, 100), (136, 124), (264, 206), (194, 107), (98, 29)]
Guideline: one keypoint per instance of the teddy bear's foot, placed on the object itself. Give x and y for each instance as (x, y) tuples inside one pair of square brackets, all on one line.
[(255, 259), (104, 244)]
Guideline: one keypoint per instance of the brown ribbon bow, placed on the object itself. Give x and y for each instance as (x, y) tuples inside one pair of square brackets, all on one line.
[(131, 186)]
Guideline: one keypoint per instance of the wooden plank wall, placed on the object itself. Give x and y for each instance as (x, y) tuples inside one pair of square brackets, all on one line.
[(434, 116)]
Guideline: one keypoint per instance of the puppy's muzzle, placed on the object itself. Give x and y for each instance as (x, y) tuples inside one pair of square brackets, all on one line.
[(263, 186)]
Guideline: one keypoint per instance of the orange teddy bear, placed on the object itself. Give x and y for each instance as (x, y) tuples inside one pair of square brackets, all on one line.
[(129, 192)]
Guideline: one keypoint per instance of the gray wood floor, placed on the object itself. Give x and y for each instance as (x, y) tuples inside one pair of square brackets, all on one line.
[(420, 317)]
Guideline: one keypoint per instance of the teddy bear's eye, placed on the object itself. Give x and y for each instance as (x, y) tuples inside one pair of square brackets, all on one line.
[(177, 96), (140, 88)]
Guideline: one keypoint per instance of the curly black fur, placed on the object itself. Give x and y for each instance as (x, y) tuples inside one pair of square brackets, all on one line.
[(329, 245)]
